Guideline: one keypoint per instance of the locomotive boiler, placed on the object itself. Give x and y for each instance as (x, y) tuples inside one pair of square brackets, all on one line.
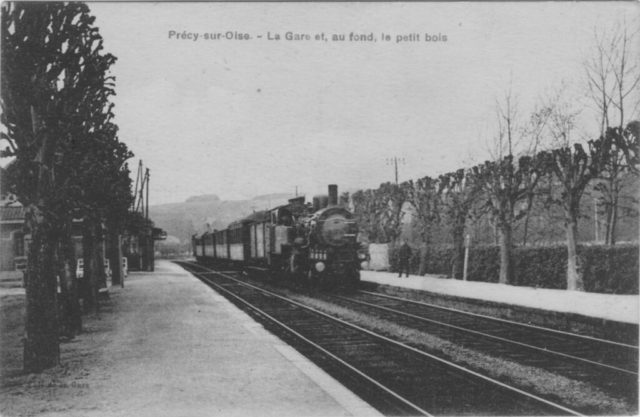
[(314, 242)]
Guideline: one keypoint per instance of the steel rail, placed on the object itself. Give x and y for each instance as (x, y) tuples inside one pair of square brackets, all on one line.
[(313, 344), (417, 351), (501, 339), (542, 329)]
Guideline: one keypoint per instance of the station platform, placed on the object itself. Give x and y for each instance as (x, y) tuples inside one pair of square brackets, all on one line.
[(610, 316), (168, 345), (203, 356)]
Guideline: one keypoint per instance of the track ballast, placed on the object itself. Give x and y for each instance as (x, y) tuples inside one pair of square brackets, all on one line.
[(609, 365), (394, 378)]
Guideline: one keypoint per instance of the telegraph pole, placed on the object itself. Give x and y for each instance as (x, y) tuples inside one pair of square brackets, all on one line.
[(394, 161), (135, 192), (595, 209), (147, 182), (467, 243), (146, 250)]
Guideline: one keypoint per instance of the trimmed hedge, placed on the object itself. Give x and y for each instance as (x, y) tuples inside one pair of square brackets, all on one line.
[(607, 269)]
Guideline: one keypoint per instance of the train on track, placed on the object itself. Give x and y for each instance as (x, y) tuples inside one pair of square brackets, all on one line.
[(310, 243)]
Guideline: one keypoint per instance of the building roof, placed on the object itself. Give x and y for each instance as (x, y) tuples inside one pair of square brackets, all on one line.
[(12, 214)]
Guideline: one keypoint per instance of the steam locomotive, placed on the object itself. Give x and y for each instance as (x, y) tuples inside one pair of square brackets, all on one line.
[(310, 243)]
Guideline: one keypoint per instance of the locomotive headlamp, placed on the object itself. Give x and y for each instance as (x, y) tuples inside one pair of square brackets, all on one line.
[(362, 256), (364, 265), (319, 267)]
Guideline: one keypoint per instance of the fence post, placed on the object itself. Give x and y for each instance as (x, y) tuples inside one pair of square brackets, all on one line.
[(467, 243)]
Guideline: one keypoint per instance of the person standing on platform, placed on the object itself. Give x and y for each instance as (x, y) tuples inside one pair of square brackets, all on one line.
[(404, 255)]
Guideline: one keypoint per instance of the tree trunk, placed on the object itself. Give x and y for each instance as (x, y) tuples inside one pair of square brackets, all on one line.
[(424, 254), (506, 268), (607, 225), (526, 228), (611, 213), (71, 314), (99, 249), (90, 266), (457, 269), (41, 346), (152, 254), (422, 269), (574, 269), (115, 258), (614, 219)]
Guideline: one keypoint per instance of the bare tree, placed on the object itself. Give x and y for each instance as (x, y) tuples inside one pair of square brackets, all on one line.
[(612, 75), (459, 192), (627, 141), (510, 185), (423, 196), (345, 200), (573, 169), (392, 198), (367, 208)]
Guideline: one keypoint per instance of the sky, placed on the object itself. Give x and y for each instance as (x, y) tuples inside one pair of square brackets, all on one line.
[(245, 117)]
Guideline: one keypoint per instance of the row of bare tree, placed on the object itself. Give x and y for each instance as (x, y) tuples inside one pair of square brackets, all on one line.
[(68, 163), (504, 191)]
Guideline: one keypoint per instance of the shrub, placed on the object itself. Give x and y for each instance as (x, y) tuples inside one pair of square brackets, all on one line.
[(484, 264), (610, 269), (541, 267), (606, 269)]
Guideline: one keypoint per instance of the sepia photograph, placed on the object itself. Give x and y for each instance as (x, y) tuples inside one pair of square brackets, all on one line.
[(319, 208)]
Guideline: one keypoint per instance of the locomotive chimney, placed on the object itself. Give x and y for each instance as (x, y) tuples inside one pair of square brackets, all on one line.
[(333, 195)]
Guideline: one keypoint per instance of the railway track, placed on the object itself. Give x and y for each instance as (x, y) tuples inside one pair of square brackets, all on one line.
[(610, 365), (394, 378)]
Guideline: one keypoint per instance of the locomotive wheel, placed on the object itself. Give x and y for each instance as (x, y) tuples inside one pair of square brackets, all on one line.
[(315, 278), (321, 279)]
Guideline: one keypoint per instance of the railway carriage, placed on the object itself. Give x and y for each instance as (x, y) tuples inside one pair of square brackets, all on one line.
[(306, 242), (220, 245), (208, 245), (237, 235), (198, 247), (259, 228)]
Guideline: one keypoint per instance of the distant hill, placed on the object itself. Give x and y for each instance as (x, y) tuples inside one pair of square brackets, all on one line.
[(182, 220), (203, 198)]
